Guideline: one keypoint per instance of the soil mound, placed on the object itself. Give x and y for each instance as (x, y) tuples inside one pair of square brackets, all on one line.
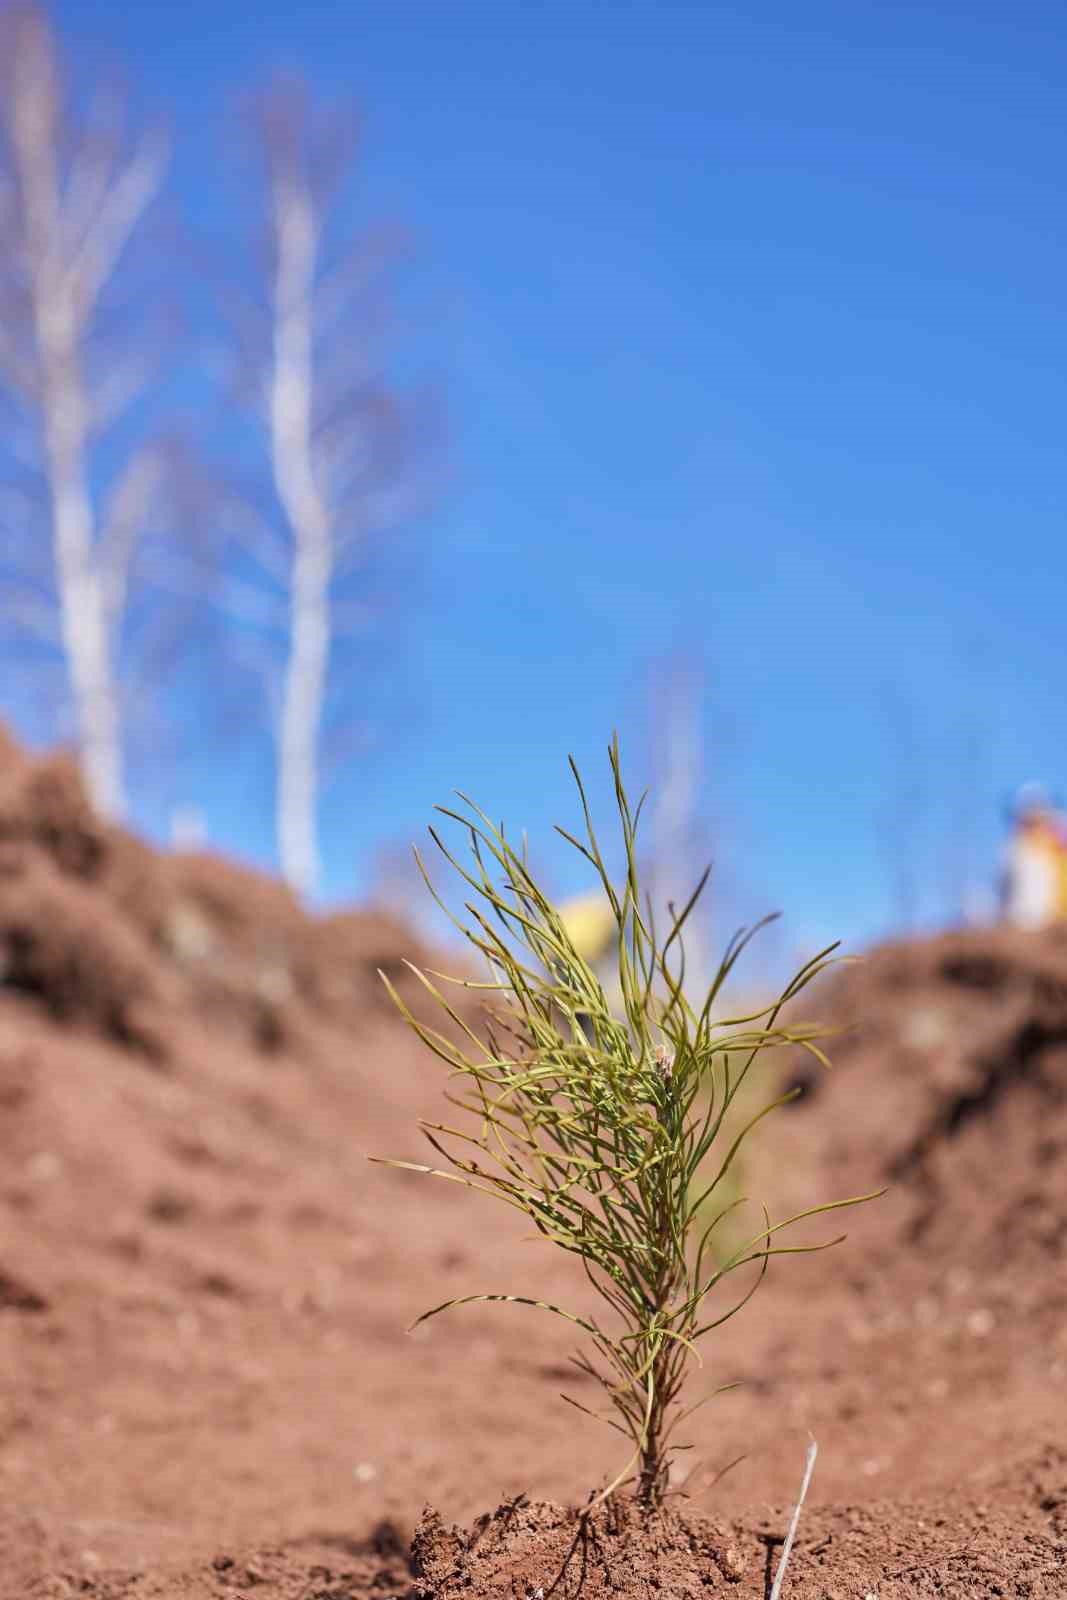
[(1012, 1544), (97, 927), (949, 1084)]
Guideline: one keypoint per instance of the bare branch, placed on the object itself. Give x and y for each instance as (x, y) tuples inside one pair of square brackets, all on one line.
[(112, 397), (92, 164), (253, 532), (120, 211), (123, 520)]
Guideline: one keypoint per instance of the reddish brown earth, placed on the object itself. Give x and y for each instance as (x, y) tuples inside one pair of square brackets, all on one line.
[(205, 1387)]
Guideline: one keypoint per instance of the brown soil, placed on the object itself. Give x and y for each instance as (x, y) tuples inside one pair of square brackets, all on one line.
[(949, 1546), (206, 1389)]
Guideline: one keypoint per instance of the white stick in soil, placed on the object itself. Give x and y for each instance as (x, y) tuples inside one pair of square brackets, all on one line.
[(787, 1548)]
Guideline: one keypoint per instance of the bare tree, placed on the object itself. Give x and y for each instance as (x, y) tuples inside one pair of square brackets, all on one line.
[(337, 433), (75, 185), (678, 829)]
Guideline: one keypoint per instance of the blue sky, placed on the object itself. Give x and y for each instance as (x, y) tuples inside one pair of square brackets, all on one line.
[(753, 323)]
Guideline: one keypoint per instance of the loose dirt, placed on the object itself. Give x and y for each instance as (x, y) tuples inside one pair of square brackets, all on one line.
[(205, 1386)]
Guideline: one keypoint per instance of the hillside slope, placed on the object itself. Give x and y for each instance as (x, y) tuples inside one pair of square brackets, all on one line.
[(204, 1285)]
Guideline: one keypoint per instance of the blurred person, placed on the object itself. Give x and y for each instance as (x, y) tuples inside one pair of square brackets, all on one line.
[(1033, 887)]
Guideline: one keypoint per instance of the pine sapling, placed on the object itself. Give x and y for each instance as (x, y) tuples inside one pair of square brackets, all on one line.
[(608, 1128)]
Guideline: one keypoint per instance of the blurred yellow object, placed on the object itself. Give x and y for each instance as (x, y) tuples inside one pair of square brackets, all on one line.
[(590, 925)]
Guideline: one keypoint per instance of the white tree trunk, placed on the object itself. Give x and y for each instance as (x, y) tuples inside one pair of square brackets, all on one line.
[(84, 623), (59, 308), (309, 519), (301, 716)]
